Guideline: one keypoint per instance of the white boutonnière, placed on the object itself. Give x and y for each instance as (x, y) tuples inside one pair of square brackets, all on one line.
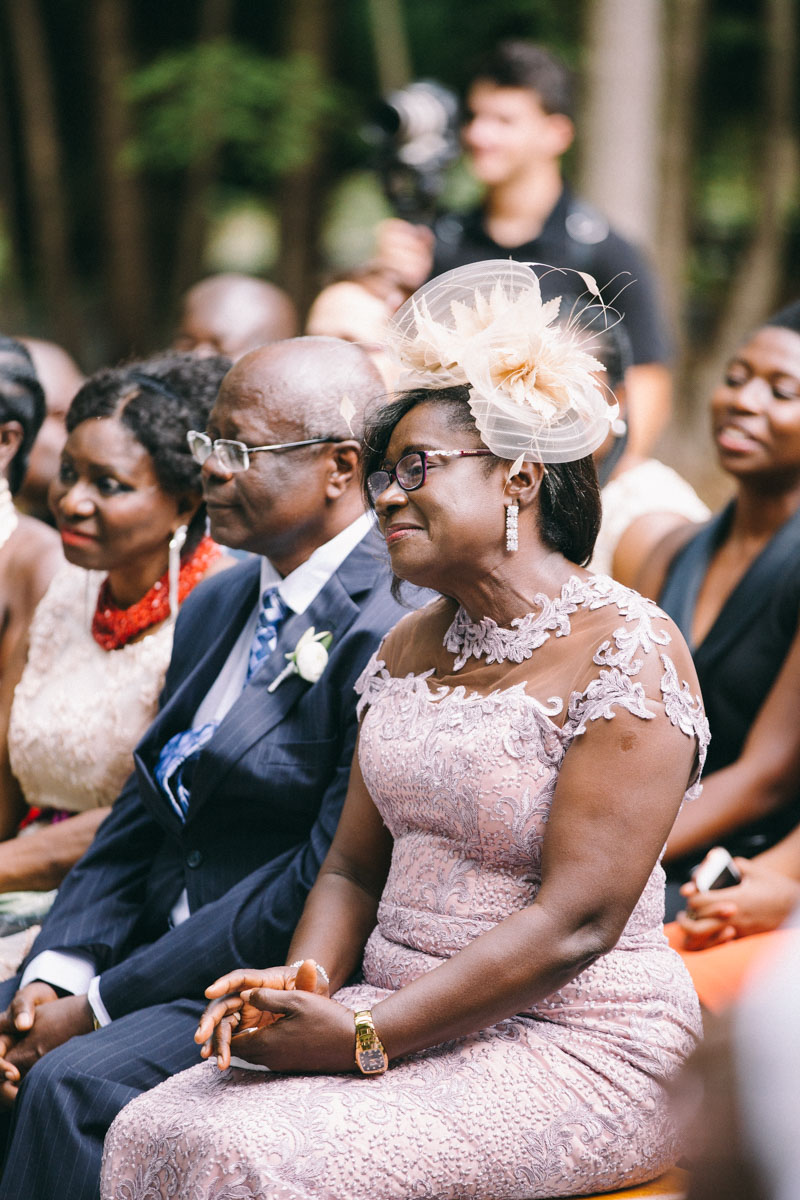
[(308, 659)]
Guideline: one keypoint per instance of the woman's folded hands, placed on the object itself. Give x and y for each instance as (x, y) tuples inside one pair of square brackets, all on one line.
[(318, 1034)]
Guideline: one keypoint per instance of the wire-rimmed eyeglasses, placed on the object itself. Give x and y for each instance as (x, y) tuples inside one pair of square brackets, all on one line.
[(411, 471), (234, 456)]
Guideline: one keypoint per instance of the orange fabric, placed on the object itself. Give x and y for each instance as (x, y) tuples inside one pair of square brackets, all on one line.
[(719, 972), (672, 1186)]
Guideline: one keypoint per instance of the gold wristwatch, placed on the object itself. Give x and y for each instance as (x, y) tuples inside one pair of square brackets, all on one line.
[(371, 1057)]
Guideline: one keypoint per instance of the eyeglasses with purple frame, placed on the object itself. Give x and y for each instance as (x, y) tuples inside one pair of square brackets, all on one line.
[(411, 471)]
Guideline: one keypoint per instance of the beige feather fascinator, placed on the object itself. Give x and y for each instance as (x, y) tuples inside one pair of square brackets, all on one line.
[(533, 389)]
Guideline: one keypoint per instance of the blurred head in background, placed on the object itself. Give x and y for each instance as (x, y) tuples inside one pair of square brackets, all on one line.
[(233, 314), (518, 112), (60, 378), (22, 410), (353, 312)]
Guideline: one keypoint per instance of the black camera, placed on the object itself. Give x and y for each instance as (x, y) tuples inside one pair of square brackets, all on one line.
[(415, 134)]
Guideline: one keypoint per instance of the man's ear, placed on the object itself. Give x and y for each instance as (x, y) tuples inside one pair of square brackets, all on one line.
[(11, 434), (523, 486), (344, 467), (561, 131)]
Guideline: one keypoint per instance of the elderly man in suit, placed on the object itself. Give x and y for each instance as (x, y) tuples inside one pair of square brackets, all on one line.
[(210, 850)]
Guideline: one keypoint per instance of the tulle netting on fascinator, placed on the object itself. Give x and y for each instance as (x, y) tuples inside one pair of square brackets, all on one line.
[(532, 388)]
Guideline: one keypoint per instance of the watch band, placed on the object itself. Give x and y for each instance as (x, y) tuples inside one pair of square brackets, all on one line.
[(371, 1058)]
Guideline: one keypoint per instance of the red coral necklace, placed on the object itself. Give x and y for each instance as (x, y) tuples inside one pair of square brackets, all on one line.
[(113, 627)]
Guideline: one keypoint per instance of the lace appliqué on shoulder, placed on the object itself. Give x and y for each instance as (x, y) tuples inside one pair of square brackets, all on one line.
[(371, 681), (611, 687), (686, 711), (637, 635)]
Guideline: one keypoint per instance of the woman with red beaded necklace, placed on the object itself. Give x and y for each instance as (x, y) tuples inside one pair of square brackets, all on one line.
[(127, 503)]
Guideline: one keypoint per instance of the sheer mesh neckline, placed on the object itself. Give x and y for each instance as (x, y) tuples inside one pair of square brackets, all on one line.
[(486, 639)]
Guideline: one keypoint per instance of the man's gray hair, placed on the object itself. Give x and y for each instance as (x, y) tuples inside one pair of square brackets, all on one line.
[(322, 381)]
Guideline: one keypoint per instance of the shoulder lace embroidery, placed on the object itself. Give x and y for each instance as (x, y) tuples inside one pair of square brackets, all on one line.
[(620, 658), (686, 711)]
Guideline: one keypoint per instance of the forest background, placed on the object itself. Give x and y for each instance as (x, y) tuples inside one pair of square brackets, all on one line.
[(144, 144)]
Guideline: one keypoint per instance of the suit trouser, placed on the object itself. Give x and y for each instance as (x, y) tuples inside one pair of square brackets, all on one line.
[(70, 1097)]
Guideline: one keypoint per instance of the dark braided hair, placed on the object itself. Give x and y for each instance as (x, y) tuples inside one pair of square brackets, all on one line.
[(159, 400), (21, 399), (569, 498)]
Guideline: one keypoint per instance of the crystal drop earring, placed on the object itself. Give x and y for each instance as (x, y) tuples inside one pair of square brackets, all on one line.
[(512, 527)]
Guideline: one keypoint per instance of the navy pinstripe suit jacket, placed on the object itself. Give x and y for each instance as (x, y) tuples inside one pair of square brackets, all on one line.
[(266, 796)]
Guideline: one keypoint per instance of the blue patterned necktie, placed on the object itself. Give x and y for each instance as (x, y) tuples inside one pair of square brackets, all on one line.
[(270, 617), (177, 759)]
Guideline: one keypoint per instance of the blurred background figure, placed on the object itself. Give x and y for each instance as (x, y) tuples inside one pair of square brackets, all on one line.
[(643, 498), (733, 588), (357, 309), (60, 378), (738, 1098), (84, 685), (232, 314), (518, 125), (29, 551)]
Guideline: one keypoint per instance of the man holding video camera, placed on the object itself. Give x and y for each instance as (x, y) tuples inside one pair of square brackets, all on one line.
[(518, 126)]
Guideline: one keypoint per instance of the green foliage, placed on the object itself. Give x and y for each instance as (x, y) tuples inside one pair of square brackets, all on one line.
[(266, 114)]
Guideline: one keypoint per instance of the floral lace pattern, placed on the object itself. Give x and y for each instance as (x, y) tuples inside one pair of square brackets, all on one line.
[(565, 1098), (75, 699)]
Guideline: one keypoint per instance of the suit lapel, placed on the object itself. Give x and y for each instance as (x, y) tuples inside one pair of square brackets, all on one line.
[(178, 713), (258, 710)]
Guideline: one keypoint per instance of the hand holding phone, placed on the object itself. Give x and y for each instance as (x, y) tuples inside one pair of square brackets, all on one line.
[(717, 870)]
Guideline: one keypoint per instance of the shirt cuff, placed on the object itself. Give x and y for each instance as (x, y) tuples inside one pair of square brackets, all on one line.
[(96, 1002), (72, 972)]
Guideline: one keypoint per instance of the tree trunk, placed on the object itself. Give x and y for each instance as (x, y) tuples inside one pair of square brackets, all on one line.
[(45, 182), (12, 296), (215, 19), (621, 117), (754, 288), (684, 53), (302, 193), (128, 282), (392, 54)]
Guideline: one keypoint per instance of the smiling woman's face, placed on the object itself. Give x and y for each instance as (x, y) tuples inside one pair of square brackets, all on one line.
[(108, 505), (755, 412), (452, 529)]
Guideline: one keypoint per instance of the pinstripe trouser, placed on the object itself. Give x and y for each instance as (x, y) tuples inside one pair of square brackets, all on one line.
[(68, 1100)]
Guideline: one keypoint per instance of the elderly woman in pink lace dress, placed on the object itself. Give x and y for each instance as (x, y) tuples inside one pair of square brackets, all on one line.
[(527, 740)]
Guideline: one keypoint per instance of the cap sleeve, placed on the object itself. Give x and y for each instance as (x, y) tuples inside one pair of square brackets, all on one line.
[(642, 665)]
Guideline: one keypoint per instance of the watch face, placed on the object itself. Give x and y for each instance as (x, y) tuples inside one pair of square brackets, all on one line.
[(372, 1062)]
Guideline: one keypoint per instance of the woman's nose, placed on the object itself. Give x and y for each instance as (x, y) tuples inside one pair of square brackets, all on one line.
[(392, 497), (77, 501), (752, 395)]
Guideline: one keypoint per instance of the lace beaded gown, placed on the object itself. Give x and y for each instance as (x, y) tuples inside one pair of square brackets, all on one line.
[(79, 710), (77, 714), (462, 759)]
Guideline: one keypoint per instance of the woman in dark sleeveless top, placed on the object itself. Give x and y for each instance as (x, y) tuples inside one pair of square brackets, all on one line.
[(734, 591)]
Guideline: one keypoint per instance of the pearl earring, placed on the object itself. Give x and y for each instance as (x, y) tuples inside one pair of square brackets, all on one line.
[(512, 527), (176, 544)]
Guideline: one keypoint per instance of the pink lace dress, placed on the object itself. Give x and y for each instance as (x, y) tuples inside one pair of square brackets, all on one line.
[(462, 760)]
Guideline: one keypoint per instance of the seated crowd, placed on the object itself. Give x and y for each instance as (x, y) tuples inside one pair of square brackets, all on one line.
[(354, 687)]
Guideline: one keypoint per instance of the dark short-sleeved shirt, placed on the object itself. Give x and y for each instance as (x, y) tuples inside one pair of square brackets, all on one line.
[(578, 236)]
